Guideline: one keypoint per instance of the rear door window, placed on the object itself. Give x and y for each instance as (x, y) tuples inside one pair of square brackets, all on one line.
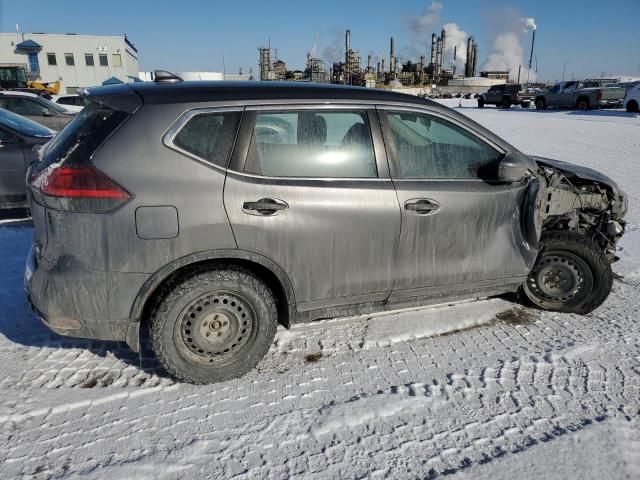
[(209, 136), (312, 143)]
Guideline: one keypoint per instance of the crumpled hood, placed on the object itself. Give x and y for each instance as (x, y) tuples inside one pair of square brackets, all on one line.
[(581, 172)]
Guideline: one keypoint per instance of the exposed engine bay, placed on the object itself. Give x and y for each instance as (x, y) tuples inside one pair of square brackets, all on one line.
[(571, 199)]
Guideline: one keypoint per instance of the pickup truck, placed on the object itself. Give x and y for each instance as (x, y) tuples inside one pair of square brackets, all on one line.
[(582, 95), (505, 95)]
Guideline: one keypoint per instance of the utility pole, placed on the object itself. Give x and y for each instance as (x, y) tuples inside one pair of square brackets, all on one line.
[(564, 68)]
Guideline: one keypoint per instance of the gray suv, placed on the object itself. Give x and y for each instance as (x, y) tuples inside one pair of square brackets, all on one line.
[(213, 211)]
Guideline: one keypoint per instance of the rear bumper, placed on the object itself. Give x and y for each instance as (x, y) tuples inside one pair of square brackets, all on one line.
[(610, 103), (74, 301)]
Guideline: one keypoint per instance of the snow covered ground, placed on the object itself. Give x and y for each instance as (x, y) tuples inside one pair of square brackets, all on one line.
[(477, 390)]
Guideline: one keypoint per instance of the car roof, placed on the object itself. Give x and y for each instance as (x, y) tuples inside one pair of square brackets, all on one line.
[(19, 94), (202, 91)]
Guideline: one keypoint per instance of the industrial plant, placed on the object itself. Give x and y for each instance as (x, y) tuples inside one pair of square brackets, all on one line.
[(438, 73)]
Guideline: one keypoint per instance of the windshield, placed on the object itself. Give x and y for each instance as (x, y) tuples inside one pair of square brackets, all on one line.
[(77, 142), (53, 106), (23, 125)]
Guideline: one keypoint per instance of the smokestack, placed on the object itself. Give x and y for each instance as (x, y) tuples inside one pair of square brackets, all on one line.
[(382, 66), (455, 48), (438, 66), (533, 39), (433, 50), (369, 63), (347, 48), (475, 59), (442, 47), (467, 63), (391, 57)]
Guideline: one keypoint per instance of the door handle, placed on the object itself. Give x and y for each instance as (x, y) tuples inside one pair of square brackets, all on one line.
[(421, 206), (264, 206)]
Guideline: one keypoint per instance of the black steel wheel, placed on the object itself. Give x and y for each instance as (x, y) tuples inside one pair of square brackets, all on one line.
[(571, 274), (214, 325), (560, 280), (214, 328)]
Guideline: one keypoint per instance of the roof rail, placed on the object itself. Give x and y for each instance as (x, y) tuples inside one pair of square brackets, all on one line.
[(162, 76)]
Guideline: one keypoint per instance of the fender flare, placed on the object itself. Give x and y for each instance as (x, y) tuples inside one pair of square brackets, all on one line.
[(155, 280)]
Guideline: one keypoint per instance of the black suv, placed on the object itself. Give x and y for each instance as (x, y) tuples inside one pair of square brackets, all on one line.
[(505, 95), (213, 211)]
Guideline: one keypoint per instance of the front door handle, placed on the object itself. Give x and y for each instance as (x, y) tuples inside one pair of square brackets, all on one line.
[(264, 206), (421, 206)]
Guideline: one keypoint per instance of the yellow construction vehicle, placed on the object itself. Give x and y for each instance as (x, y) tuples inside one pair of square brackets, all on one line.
[(52, 88), (13, 77)]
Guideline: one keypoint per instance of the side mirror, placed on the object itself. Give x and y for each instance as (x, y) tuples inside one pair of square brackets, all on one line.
[(513, 167), (47, 113)]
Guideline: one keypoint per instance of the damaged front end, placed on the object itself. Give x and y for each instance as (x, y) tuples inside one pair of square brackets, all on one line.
[(582, 200)]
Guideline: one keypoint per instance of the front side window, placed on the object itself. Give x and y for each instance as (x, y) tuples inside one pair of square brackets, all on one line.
[(88, 59), (312, 143), (68, 58), (51, 59), (104, 60), (428, 147), (209, 136)]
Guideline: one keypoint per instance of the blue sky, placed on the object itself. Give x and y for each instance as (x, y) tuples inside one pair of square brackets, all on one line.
[(595, 36)]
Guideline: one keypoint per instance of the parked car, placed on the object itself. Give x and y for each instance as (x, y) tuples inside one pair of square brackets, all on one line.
[(36, 108), (632, 99), (71, 102), (583, 95), (505, 95), (216, 210), (18, 137)]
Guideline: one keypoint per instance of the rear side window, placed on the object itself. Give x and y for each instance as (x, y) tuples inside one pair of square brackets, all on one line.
[(209, 136), (78, 141), (312, 143)]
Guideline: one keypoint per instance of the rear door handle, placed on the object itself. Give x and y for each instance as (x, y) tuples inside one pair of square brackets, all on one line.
[(264, 206), (421, 206)]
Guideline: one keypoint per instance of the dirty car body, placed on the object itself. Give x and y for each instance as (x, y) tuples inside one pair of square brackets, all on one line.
[(326, 200)]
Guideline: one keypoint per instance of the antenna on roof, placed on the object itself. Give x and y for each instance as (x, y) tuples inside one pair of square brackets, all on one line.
[(162, 76)]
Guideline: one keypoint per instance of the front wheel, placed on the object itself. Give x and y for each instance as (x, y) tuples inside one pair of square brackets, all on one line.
[(632, 106), (571, 274), (214, 325), (480, 103), (540, 104)]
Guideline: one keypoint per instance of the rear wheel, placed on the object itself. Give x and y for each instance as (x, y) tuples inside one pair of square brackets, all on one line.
[(540, 104), (214, 326), (526, 104), (583, 104), (632, 106), (571, 274)]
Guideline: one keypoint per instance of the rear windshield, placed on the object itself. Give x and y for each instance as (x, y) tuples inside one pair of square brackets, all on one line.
[(23, 125), (83, 135)]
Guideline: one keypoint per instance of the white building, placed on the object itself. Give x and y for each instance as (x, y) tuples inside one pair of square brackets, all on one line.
[(200, 75), (75, 60)]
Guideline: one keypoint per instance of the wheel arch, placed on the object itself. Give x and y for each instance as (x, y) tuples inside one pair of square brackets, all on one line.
[(585, 98), (263, 267)]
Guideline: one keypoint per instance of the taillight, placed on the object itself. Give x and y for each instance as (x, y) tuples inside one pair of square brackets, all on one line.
[(78, 182)]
